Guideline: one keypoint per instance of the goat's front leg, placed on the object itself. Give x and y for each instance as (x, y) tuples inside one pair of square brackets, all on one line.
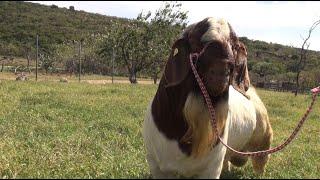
[(156, 172), (210, 174), (213, 171)]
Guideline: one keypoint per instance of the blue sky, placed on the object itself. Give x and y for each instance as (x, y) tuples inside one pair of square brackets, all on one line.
[(283, 22)]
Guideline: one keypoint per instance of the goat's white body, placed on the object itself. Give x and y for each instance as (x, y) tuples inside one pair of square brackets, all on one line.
[(249, 129), (166, 160), (242, 115)]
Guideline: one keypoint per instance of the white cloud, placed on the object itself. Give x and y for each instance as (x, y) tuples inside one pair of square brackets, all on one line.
[(269, 21), (255, 14)]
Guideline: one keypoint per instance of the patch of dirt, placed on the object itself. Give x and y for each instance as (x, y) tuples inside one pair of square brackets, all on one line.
[(116, 81)]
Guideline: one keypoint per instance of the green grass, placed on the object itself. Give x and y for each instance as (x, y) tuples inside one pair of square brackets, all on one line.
[(80, 130)]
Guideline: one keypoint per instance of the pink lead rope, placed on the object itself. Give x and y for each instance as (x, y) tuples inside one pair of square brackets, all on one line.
[(315, 91)]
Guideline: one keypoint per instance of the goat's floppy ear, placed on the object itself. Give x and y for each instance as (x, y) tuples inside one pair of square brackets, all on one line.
[(178, 66), (240, 79)]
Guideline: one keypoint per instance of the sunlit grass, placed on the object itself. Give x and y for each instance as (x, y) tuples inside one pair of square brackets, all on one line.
[(79, 130)]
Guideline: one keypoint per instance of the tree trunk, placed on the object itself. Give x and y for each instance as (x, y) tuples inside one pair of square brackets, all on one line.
[(28, 59), (155, 78), (2, 67), (297, 84), (132, 77)]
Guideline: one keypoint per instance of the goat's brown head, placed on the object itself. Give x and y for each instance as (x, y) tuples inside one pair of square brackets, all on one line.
[(222, 57)]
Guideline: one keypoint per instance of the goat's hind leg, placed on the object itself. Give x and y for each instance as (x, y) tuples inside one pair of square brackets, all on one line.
[(226, 166), (259, 162)]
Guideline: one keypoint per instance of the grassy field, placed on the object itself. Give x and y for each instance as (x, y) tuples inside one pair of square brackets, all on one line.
[(81, 130)]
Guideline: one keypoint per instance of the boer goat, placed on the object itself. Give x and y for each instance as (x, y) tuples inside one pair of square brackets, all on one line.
[(177, 131)]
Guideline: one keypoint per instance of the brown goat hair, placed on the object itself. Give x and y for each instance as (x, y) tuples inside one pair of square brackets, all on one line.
[(200, 132)]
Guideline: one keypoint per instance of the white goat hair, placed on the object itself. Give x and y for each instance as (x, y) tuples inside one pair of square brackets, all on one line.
[(239, 128), (250, 129)]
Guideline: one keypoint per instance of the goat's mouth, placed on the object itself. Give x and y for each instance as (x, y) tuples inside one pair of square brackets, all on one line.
[(217, 97), (216, 89)]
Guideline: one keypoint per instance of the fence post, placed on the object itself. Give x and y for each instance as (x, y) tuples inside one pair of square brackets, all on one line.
[(37, 58), (79, 61), (113, 56)]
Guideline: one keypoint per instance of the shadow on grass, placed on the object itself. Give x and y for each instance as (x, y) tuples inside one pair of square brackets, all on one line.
[(143, 176), (233, 174), (238, 173)]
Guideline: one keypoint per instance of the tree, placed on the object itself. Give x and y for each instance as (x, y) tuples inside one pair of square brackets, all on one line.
[(263, 69), (66, 55), (91, 59), (4, 60), (47, 58), (46, 61), (129, 42), (143, 44), (168, 22), (29, 54), (300, 64), (122, 41)]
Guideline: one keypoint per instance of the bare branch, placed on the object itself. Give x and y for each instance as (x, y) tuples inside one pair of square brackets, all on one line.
[(303, 54)]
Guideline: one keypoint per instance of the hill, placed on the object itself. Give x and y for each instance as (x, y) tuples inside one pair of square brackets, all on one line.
[(21, 21)]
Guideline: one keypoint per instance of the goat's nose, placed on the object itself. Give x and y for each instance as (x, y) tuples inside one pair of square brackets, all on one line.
[(220, 73), (218, 80)]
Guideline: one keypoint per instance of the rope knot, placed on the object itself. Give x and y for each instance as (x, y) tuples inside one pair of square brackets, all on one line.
[(194, 57), (316, 90)]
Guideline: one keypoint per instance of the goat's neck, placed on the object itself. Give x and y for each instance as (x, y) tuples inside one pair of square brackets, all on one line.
[(197, 116)]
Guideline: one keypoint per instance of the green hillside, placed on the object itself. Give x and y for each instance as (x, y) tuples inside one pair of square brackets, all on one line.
[(279, 61), (21, 21)]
